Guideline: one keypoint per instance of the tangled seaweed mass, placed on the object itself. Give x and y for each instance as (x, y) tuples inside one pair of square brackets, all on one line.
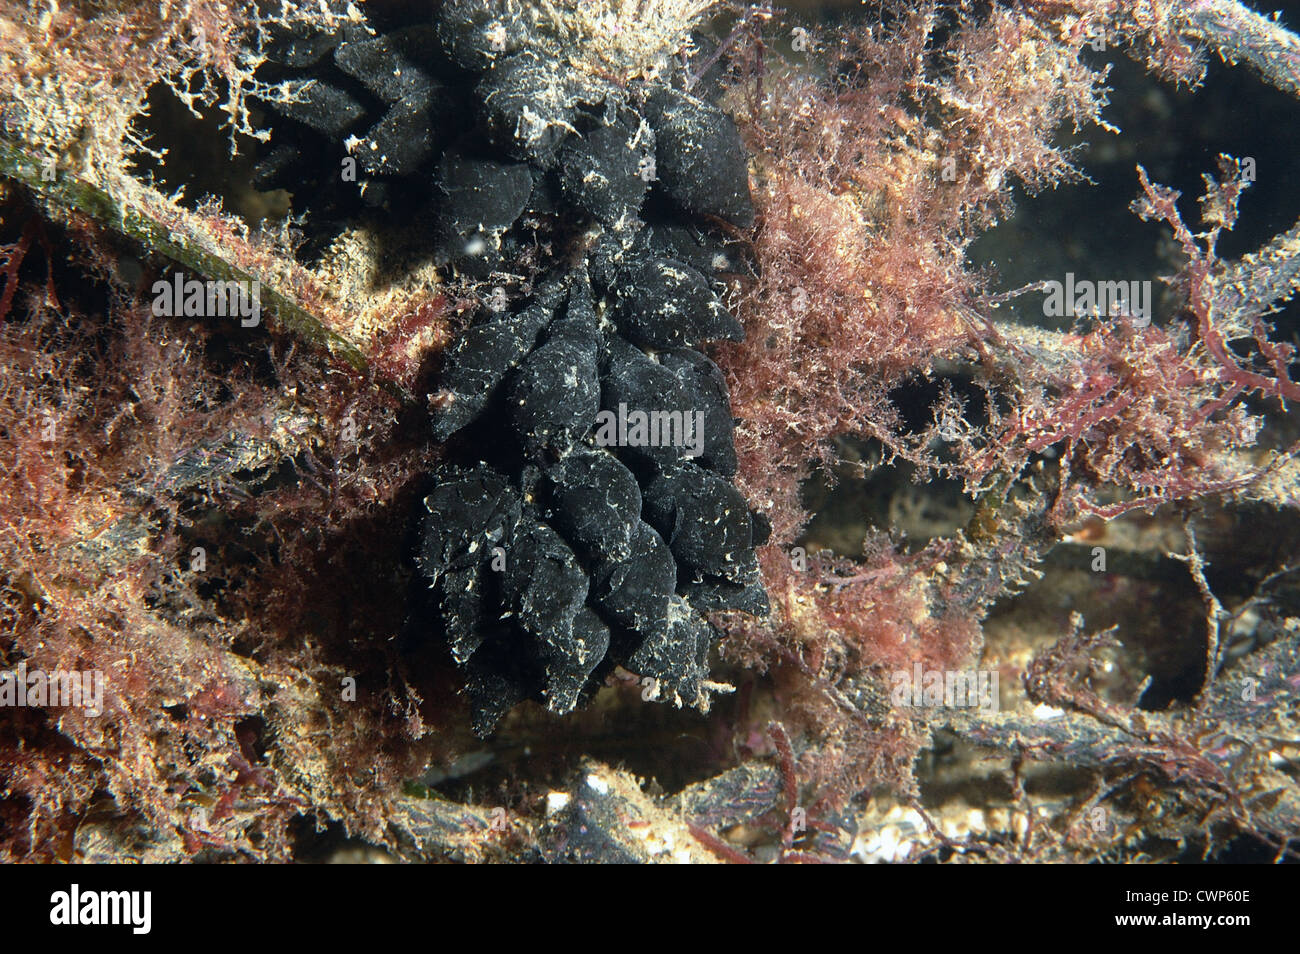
[(587, 518)]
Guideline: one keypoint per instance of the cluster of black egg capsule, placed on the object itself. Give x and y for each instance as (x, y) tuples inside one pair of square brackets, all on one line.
[(556, 548)]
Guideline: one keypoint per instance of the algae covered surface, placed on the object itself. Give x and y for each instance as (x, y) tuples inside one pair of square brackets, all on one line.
[(649, 432)]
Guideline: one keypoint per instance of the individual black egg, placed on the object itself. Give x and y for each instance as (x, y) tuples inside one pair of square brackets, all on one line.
[(714, 595), (645, 410), (482, 357), (529, 105), (498, 678), (468, 511), (400, 143), (300, 50), (676, 655), (701, 160), (712, 255), (466, 611), (596, 504), (542, 586), (704, 381), (390, 65), (607, 172), (476, 33), (322, 106), (482, 198), (635, 592), (554, 397), (570, 662), (704, 519), (662, 303)]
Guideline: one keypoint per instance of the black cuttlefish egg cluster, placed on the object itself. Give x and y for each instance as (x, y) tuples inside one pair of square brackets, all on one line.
[(586, 516)]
